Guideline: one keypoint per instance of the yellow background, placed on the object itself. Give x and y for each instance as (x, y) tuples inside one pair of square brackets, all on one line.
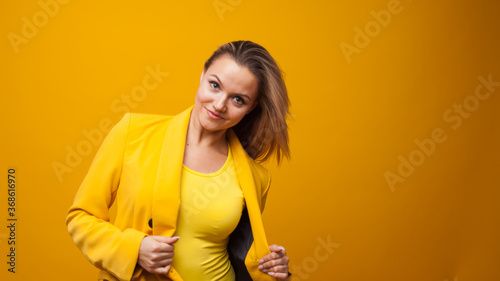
[(355, 117)]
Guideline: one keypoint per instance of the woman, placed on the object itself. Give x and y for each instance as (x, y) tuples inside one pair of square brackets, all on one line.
[(191, 180)]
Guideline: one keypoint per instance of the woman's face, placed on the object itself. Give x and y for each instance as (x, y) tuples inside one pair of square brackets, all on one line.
[(227, 92)]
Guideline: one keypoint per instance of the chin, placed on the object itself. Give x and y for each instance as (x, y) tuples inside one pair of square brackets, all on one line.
[(207, 125)]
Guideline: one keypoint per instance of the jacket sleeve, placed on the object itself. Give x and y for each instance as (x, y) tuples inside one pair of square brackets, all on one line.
[(103, 244)]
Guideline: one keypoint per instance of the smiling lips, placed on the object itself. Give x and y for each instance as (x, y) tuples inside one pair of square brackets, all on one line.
[(213, 115)]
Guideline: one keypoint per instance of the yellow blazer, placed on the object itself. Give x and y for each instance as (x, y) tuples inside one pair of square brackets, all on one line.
[(138, 168)]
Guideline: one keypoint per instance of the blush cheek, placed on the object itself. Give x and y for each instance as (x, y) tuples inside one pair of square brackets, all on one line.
[(203, 95)]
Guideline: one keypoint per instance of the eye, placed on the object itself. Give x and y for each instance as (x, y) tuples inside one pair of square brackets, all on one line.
[(214, 85), (239, 100)]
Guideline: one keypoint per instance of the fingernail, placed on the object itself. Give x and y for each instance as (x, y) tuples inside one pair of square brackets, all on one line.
[(281, 248), (260, 266), (261, 261), (176, 237), (271, 273)]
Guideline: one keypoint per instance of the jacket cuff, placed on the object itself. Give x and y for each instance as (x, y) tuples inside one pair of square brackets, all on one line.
[(124, 260)]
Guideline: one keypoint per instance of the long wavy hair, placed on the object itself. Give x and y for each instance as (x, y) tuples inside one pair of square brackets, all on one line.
[(263, 132)]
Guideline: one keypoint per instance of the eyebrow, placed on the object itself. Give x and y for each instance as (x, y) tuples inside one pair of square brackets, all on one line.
[(220, 82)]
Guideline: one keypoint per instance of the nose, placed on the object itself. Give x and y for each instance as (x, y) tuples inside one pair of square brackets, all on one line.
[(220, 103)]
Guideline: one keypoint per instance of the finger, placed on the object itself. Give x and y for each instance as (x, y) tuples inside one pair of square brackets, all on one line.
[(161, 256), (267, 261), (162, 263), (166, 239), (161, 270), (276, 253), (276, 248), (156, 248), (278, 275), (277, 269), (155, 266), (163, 243), (163, 248), (269, 264), (272, 256), (283, 261)]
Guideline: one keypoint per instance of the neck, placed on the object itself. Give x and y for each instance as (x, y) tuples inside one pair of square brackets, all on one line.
[(199, 136)]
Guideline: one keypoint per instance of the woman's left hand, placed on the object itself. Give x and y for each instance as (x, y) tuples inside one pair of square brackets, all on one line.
[(276, 263)]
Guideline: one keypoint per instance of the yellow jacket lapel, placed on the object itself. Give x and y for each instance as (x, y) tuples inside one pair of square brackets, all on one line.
[(252, 199), (167, 187)]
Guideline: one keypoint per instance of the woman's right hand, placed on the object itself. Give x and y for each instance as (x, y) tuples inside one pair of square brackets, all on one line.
[(156, 253)]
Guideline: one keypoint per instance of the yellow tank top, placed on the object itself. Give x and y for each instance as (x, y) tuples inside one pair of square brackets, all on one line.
[(210, 209)]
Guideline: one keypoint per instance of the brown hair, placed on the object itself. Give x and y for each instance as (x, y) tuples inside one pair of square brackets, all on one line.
[(264, 131)]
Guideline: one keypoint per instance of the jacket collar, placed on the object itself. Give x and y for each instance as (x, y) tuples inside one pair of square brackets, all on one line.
[(167, 187)]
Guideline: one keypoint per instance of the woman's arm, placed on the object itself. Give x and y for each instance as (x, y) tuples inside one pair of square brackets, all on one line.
[(102, 243)]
